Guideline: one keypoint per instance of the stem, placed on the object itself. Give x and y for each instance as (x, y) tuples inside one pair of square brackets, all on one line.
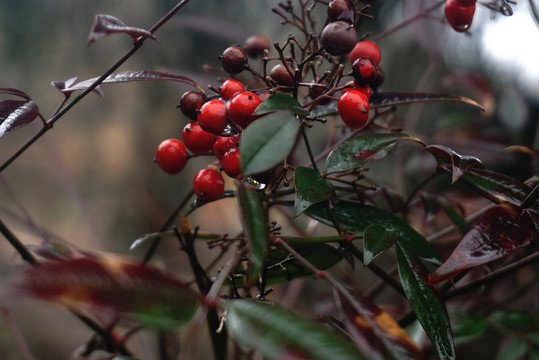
[(530, 199), (419, 186), (17, 244), (136, 45)]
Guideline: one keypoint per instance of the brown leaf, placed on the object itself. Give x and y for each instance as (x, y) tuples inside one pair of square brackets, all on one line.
[(105, 25)]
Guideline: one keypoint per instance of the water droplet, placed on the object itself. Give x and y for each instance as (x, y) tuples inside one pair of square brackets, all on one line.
[(506, 10)]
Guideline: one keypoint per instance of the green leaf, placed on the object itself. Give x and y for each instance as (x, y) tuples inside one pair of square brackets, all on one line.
[(384, 99), (355, 217), (278, 102), (375, 241), (426, 302), (497, 187), (457, 219), (515, 350), (277, 333), (516, 320), (310, 189), (363, 150), (267, 141), (255, 225)]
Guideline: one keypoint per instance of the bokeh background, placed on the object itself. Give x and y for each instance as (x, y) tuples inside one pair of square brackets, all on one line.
[(90, 182)]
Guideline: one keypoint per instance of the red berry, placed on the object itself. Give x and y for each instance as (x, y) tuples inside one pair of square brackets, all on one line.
[(338, 38), (341, 10), (364, 70), (223, 144), (366, 89), (190, 103), (212, 117), (458, 16), (256, 44), (366, 49), (353, 107), (208, 185), (230, 88), (196, 139), (171, 156), (234, 60), (231, 163), (281, 75), (466, 3), (241, 107)]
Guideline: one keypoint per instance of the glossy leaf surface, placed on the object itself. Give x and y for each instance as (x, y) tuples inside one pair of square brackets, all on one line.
[(498, 233), (310, 189), (280, 334), (15, 92), (278, 102), (355, 217), (15, 114), (105, 25), (363, 150), (383, 99), (373, 330), (255, 226), (376, 239), (459, 163), (426, 302), (112, 286), (267, 141)]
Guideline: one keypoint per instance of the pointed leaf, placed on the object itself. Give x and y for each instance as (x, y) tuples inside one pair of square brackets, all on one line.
[(112, 286), (497, 187), (376, 240), (498, 233), (255, 225), (279, 334), (15, 114), (267, 141), (68, 86), (516, 320), (459, 163), (426, 302), (363, 150), (355, 217), (278, 102), (470, 326), (105, 25), (373, 330), (310, 189), (383, 99), (15, 92)]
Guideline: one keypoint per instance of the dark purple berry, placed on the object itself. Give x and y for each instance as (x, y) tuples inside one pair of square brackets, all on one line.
[(338, 38), (234, 60)]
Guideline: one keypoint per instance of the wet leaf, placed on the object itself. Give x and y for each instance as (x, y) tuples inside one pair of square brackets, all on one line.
[(497, 187), (112, 286), (373, 330), (516, 320), (310, 189), (15, 114), (70, 86), (105, 25), (267, 141), (459, 163), (255, 225), (383, 99), (363, 150), (325, 110), (277, 333), (15, 92), (278, 102), (355, 217), (426, 302), (376, 240), (499, 232)]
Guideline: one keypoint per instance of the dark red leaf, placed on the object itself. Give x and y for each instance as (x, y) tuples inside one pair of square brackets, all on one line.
[(397, 98), (498, 233), (68, 86), (15, 114), (459, 163), (15, 92), (105, 25)]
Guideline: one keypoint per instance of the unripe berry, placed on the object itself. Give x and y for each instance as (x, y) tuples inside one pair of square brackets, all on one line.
[(353, 106), (241, 107), (458, 16), (256, 44), (366, 49), (281, 75), (171, 156), (208, 185), (234, 60), (338, 38), (223, 144), (197, 140), (190, 103), (213, 117), (230, 88), (231, 163)]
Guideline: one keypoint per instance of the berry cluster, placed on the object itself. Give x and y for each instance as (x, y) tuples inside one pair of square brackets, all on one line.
[(459, 14)]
